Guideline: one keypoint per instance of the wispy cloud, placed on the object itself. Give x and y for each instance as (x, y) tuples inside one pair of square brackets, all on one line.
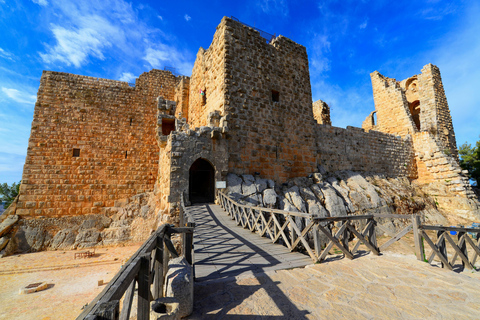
[(88, 29), (74, 46), (319, 61), (127, 77), (187, 17), (160, 17), (160, 55), (274, 7), (5, 54), (19, 96), (363, 25), (41, 2)]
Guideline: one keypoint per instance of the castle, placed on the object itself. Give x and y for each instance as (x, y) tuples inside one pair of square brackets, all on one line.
[(246, 109)]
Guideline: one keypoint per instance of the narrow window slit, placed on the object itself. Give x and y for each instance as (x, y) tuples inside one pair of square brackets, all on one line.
[(275, 96)]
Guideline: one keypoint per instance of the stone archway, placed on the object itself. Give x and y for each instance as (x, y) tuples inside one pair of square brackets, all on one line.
[(201, 182)]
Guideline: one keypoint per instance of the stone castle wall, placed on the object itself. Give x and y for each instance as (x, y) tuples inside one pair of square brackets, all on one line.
[(207, 83), (112, 126), (356, 150), (268, 104)]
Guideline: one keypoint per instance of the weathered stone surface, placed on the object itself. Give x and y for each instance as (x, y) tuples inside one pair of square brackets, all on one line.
[(234, 183), (3, 242), (87, 238), (29, 239), (318, 192), (333, 203), (63, 239), (269, 198), (293, 195), (6, 225), (261, 184), (248, 188), (179, 285)]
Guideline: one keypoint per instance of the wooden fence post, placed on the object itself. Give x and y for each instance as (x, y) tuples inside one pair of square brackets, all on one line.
[(159, 276), (188, 244), (418, 239), (463, 248), (442, 246), (316, 240), (143, 307), (108, 310), (372, 233)]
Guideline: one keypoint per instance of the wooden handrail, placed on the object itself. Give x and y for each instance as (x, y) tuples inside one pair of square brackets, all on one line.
[(139, 269), (284, 226)]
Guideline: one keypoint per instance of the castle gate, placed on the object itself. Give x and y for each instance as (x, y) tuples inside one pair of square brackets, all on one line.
[(201, 181)]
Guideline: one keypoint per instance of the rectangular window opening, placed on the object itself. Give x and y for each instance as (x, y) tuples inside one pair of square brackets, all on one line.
[(76, 153), (126, 154), (168, 125), (275, 96), (131, 120)]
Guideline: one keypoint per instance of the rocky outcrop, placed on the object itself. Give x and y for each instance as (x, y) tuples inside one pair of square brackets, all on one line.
[(336, 194), (131, 220)]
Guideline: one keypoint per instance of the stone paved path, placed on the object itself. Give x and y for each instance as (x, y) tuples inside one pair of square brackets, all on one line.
[(223, 250), (390, 286), (243, 276)]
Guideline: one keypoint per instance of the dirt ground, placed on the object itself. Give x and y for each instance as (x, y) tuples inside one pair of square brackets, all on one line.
[(72, 282)]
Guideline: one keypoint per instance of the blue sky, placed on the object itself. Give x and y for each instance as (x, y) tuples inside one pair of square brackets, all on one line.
[(346, 40)]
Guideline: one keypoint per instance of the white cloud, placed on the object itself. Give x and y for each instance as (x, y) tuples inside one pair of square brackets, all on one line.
[(85, 30), (319, 61), (75, 45), (276, 7), (5, 54), (19, 96), (187, 17), (160, 17), (161, 55), (127, 77), (364, 24), (41, 2)]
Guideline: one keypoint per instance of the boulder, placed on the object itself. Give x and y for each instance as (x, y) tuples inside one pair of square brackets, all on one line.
[(87, 238), (63, 239), (234, 183), (333, 203), (179, 285), (7, 224), (269, 198), (248, 188), (293, 195), (260, 184)]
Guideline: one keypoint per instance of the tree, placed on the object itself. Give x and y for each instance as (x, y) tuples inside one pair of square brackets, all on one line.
[(470, 160), (9, 193)]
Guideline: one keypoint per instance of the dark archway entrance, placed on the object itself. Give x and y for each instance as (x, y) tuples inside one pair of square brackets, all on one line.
[(201, 187)]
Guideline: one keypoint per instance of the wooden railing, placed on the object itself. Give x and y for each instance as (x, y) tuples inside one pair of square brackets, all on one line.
[(302, 231), (146, 270), (439, 248)]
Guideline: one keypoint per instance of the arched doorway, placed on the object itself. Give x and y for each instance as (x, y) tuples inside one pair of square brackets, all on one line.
[(201, 187)]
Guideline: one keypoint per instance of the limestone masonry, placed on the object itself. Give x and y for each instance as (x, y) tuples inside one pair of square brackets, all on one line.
[(246, 110)]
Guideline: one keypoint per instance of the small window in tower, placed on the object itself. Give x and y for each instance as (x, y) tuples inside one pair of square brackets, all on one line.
[(168, 125), (126, 154), (275, 96), (76, 153), (131, 121)]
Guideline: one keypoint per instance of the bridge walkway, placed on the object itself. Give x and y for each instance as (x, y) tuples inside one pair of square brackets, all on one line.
[(224, 250)]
